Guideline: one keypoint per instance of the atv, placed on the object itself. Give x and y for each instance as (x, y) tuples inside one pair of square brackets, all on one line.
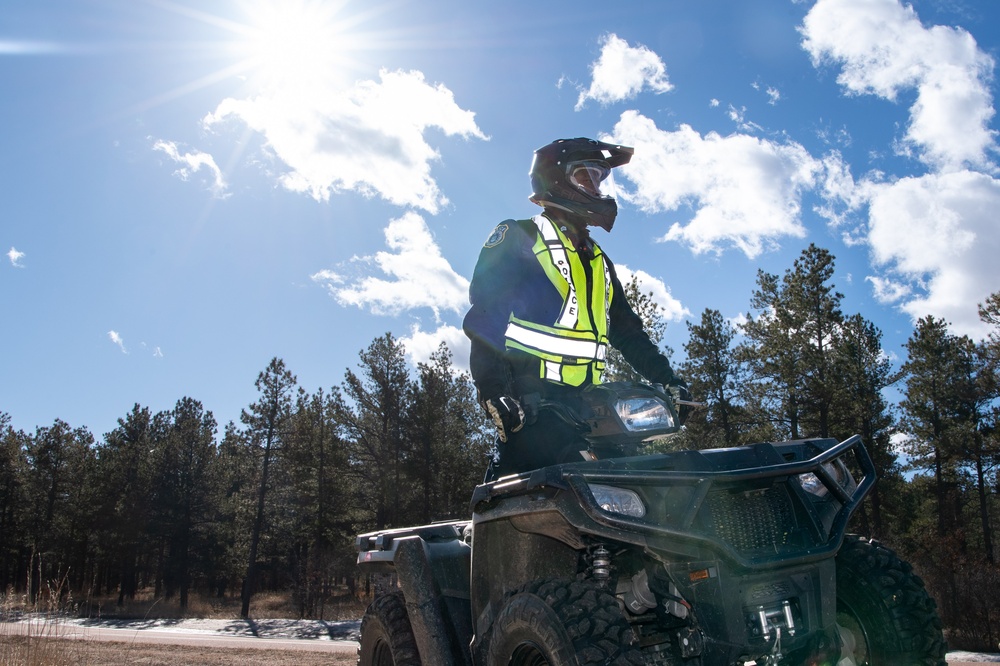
[(715, 557)]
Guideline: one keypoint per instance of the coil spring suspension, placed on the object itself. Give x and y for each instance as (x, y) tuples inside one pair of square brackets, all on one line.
[(600, 564)]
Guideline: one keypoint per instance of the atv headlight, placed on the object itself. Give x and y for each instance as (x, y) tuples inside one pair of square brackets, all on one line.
[(644, 413), (813, 485), (618, 500)]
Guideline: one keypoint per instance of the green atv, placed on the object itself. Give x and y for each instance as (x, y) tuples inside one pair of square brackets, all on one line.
[(695, 558)]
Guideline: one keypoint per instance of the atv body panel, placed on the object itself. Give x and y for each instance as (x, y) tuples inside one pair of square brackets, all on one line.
[(730, 561)]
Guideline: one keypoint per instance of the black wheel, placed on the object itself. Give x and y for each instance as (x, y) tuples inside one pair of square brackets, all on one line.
[(560, 622), (386, 635), (885, 615)]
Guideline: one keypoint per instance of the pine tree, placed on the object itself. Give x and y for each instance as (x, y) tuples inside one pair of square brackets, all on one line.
[(862, 373), (59, 463), (315, 461), (617, 369), (937, 411), (370, 409), (126, 473), (712, 373), (791, 343), (449, 445), (13, 467), (266, 421)]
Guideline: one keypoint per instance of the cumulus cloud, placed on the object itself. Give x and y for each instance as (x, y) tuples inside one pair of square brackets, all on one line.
[(421, 344), (368, 139), (887, 291), (15, 257), (670, 307), (883, 49), (192, 163), (418, 275), (935, 238), (745, 192), (621, 72), (117, 339)]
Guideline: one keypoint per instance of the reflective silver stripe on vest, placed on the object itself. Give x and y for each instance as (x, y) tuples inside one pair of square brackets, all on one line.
[(556, 345), (557, 253)]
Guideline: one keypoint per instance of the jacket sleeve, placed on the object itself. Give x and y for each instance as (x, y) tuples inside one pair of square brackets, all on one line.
[(493, 292), (627, 334)]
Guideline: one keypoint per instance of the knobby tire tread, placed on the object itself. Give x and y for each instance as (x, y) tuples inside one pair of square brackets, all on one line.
[(386, 621), (867, 570), (591, 619)]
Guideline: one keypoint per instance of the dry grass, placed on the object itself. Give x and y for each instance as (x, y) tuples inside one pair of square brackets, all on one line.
[(146, 605), (42, 644)]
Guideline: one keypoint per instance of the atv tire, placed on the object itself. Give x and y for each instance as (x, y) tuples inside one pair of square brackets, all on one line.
[(885, 615), (562, 622), (386, 636)]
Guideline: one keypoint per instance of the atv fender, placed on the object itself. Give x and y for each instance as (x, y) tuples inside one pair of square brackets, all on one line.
[(433, 574)]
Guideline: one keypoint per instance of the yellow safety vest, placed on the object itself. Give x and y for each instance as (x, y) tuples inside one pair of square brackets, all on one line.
[(575, 346)]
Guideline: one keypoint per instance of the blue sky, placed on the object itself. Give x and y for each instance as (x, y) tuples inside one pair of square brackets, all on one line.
[(192, 188)]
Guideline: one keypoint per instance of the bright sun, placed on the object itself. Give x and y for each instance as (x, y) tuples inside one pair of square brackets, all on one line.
[(290, 42)]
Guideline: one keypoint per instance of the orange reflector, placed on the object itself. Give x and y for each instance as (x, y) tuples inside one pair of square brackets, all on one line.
[(701, 574)]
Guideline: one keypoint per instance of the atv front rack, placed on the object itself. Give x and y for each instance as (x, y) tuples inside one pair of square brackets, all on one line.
[(757, 505)]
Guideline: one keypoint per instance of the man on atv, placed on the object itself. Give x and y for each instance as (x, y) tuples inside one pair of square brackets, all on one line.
[(546, 303)]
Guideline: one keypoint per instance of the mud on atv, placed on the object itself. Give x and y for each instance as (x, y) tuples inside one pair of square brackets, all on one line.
[(695, 558)]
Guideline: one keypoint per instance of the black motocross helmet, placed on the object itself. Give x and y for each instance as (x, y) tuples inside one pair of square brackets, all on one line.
[(574, 175)]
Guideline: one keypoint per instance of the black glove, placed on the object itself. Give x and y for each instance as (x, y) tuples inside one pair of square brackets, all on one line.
[(506, 413)]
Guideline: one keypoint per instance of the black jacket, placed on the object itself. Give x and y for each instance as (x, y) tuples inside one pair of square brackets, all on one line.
[(509, 279)]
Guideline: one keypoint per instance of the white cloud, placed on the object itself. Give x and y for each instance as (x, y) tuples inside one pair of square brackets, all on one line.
[(773, 94), (884, 49), (888, 291), (739, 116), (622, 72), (421, 344), (670, 307), (368, 139), (15, 257), (419, 275), (935, 236), (117, 339), (745, 191), (192, 163)]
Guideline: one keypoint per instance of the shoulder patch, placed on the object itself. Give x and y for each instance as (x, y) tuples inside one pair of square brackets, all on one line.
[(497, 236)]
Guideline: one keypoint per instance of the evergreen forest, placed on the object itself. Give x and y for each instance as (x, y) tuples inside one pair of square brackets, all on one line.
[(171, 501)]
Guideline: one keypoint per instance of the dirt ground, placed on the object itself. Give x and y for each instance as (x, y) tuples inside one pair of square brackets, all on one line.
[(56, 652)]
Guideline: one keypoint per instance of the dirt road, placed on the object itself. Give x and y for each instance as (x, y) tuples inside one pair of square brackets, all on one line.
[(233, 643)]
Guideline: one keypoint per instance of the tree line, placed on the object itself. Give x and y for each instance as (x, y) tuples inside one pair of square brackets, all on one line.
[(162, 502), (166, 502)]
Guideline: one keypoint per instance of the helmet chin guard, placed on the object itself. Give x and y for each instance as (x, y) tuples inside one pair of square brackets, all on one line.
[(574, 175)]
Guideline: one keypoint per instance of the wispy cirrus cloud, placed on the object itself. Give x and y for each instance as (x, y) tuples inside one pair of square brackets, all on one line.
[(116, 339), (193, 162)]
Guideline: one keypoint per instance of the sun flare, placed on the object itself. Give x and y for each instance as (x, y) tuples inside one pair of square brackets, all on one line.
[(293, 41)]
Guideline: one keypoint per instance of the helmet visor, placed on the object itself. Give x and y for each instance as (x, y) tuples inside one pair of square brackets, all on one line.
[(593, 178)]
